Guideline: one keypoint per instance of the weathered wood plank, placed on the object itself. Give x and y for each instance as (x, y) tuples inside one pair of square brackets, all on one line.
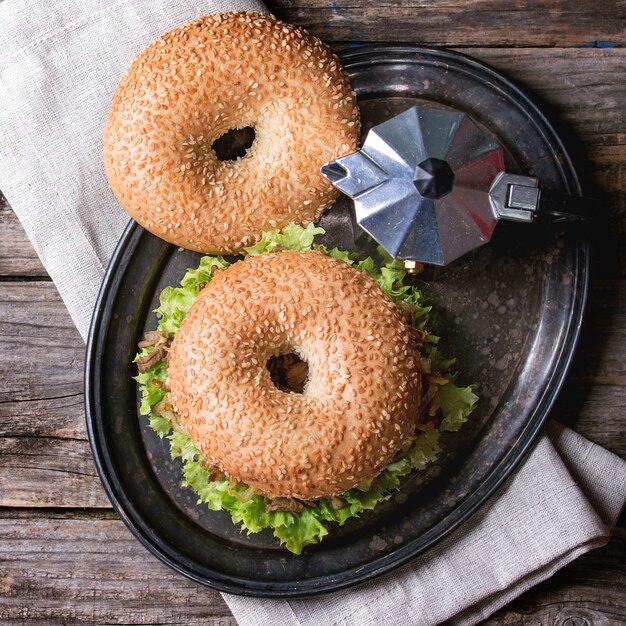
[(45, 459), (37, 470), (572, 612), (603, 175), (87, 568), (17, 255), (61, 418), (48, 472), (46, 351), (581, 90), (583, 87), (601, 351), (595, 411), (532, 23)]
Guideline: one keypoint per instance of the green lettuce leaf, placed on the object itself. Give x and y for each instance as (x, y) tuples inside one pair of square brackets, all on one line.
[(305, 530), (292, 237), (336, 253), (438, 362), (151, 394), (202, 274), (160, 425), (392, 277), (149, 397), (424, 450), (174, 302), (183, 447), (455, 403)]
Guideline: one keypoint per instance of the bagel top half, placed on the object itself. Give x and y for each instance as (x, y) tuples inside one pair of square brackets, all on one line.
[(194, 84), (359, 404)]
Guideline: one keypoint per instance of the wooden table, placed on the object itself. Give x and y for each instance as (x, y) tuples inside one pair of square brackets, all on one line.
[(64, 554)]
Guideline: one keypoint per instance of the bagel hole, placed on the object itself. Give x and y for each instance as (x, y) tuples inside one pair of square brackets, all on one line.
[(288, 372), (234, 143)]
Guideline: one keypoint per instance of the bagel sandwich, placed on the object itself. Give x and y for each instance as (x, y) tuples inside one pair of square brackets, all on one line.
[(197, 87), (253, 447)]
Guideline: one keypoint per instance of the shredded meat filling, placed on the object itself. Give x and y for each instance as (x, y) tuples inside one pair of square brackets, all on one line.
[(418, 336), (216, 474), (151, 359), (159, 340), (336, 502), (154, 338), (288, 372), (165, 409), (284, 504)]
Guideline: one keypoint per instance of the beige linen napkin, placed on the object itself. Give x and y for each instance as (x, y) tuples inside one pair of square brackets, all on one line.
[(60, 61)]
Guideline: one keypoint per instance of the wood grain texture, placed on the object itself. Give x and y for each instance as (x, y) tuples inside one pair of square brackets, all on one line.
[(48, 472), (580, 90), (61, 418), (17, 255), (601, 351), (531, 23), (96, 572), (46, 350), (45, 458)]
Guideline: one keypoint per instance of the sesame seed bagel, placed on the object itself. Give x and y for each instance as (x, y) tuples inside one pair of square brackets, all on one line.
[(223, 72), (359, 403)]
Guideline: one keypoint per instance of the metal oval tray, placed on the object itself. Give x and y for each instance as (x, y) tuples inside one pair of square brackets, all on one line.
[(511, 313)]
